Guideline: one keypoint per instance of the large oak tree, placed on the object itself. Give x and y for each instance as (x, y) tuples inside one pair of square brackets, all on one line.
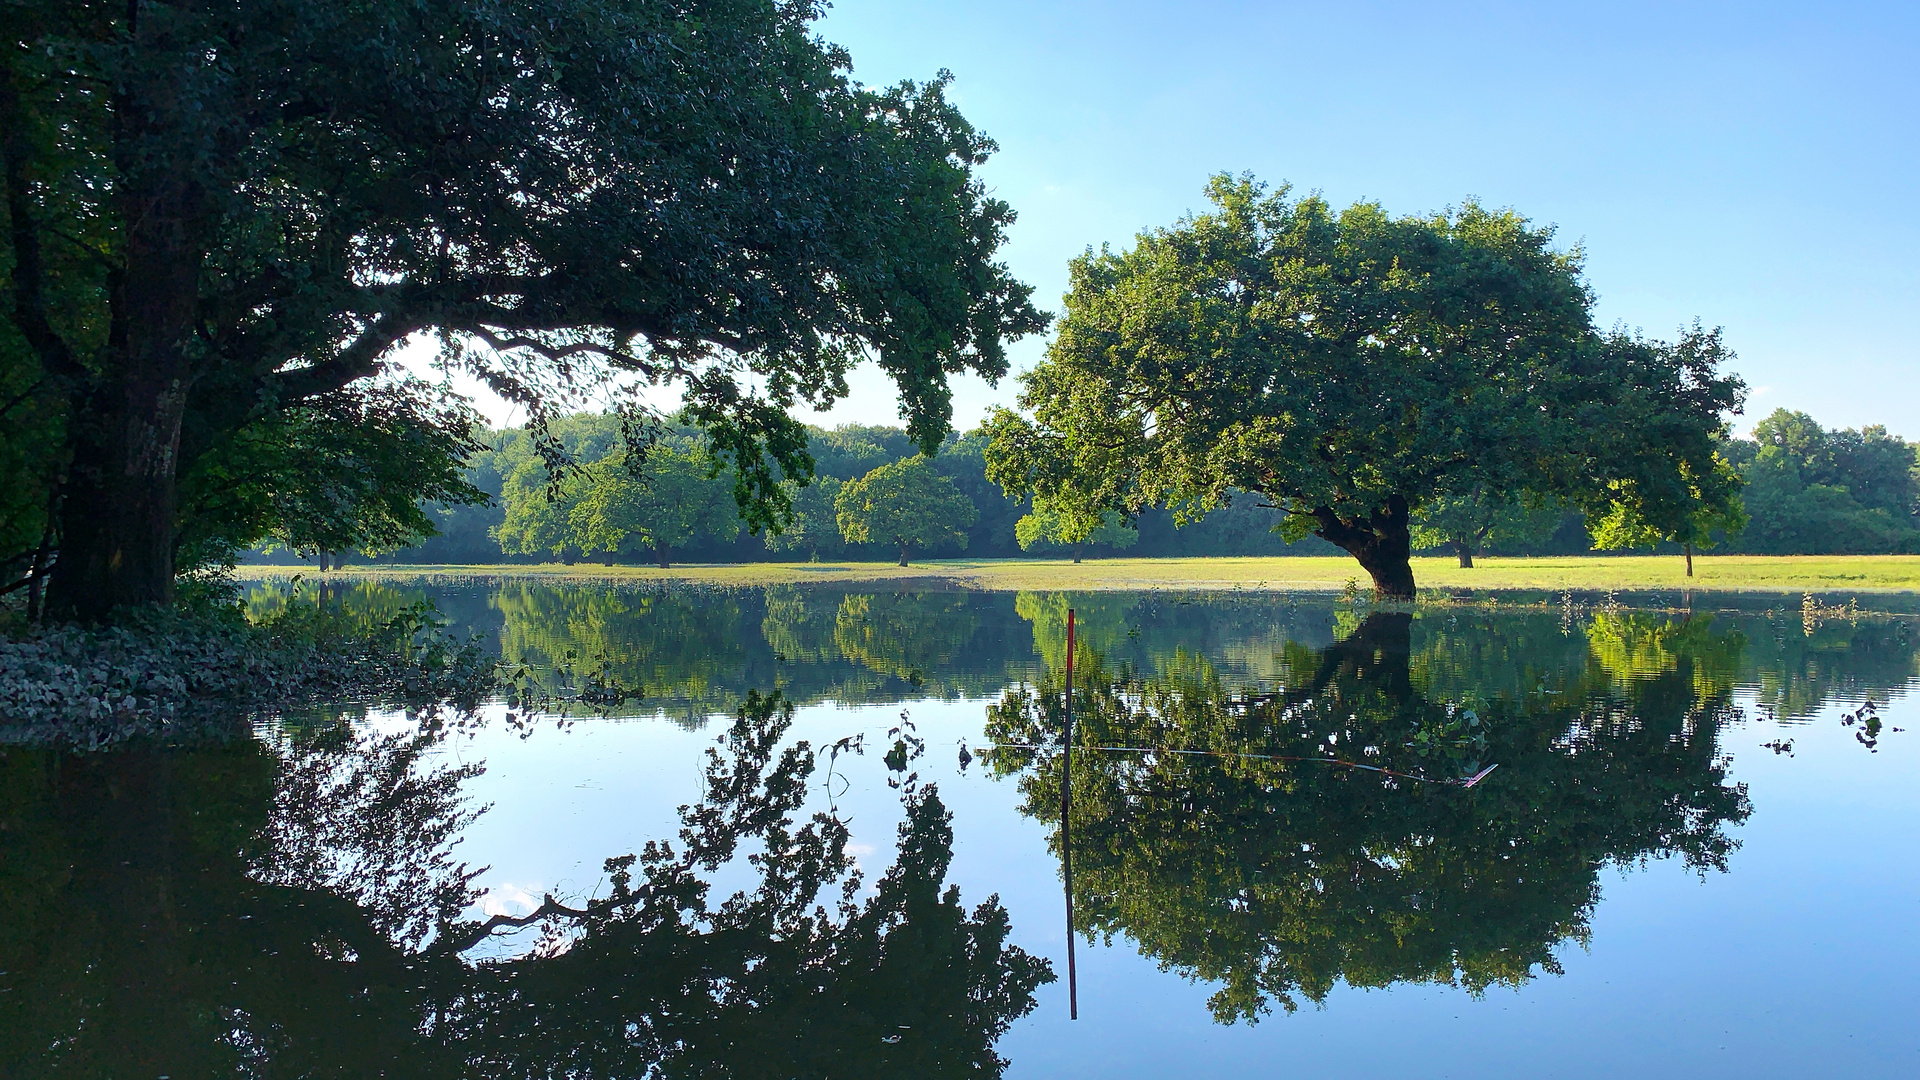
[(218, 212), (1349, 367)]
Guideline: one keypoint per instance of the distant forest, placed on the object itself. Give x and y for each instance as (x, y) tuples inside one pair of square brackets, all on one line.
[(1808, 490)]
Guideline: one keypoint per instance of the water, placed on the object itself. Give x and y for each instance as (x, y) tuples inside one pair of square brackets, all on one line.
[(1694, 855)]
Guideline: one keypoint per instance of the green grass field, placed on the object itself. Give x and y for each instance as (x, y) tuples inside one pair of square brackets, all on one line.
[(1745, 573)]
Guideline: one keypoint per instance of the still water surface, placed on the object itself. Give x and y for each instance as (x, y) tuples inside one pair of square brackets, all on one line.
[(1694, 856)]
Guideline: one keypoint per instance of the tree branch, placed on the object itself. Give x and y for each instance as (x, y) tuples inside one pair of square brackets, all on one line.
[(359, 360), (29, 298), (23, 396)]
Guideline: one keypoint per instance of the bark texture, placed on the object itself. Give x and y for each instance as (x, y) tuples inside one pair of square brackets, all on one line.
[(1382, 543), (118, 514)]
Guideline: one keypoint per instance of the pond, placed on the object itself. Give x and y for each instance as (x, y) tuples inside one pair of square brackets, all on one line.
[(806, 831)]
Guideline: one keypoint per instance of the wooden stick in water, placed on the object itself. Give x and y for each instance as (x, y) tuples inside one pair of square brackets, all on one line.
[(1066, 831)]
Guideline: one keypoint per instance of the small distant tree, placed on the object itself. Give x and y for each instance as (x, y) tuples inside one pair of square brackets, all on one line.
[(675, 494), (907, 503), (1470, 523), (1660, 475), (1051, 526), (537, 507), (1695, 514), (815, 529)]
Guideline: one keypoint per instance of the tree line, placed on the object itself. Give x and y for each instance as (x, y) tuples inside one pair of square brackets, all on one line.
[(679, 505), (1805, 490)]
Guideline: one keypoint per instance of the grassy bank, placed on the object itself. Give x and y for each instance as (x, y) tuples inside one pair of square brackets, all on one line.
[(1746, 573)]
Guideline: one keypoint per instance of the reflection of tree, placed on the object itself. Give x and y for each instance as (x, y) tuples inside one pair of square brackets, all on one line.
[(799, 624), (1467, 655), (1245, 637), (1796, 665), (684, 652), (234, 912), (697, 653), (1278, 878), (908, 635), (1688, 656), (1102, 624)]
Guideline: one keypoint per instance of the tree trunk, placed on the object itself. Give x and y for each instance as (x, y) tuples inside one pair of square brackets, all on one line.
[(35, 586), (1077, 549), (665, 555), (117, 519), (1465, 553), (1689, 550), (1382, 543), (903, 552)]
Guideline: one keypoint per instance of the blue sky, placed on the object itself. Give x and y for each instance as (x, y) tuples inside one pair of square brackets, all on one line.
[(1749, 165)]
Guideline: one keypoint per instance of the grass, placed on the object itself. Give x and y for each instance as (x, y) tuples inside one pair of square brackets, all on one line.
[(1727, 573)]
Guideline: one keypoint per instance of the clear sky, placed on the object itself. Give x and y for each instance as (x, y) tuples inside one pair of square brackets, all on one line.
[(1749, 165)]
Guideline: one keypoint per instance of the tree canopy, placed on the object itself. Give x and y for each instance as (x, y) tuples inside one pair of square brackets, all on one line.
[(905, 503), (665, 499), (220, 214), (1348, 368)]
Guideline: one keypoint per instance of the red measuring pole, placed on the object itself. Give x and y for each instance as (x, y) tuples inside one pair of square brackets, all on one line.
[(1066, 831)]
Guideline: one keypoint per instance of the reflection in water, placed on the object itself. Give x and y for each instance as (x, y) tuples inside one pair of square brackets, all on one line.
[(295, 906), (243, 910), (1277, 878), (692, 653), (697, 652)]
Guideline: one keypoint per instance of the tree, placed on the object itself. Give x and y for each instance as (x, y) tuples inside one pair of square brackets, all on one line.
[(1476, 520), (906, 503), (1789, 516), (1346, 368), (1693, 514), (1050, 526), (814, 528), (544, 475), (1655, 453), (673, 495), (220, 213), (538, 508), (355, 469)]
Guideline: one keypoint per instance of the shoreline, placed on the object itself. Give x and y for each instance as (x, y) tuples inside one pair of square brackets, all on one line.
[(1786, 574)]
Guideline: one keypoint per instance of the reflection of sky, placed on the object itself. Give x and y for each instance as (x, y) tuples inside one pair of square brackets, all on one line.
[(1796, 963)]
